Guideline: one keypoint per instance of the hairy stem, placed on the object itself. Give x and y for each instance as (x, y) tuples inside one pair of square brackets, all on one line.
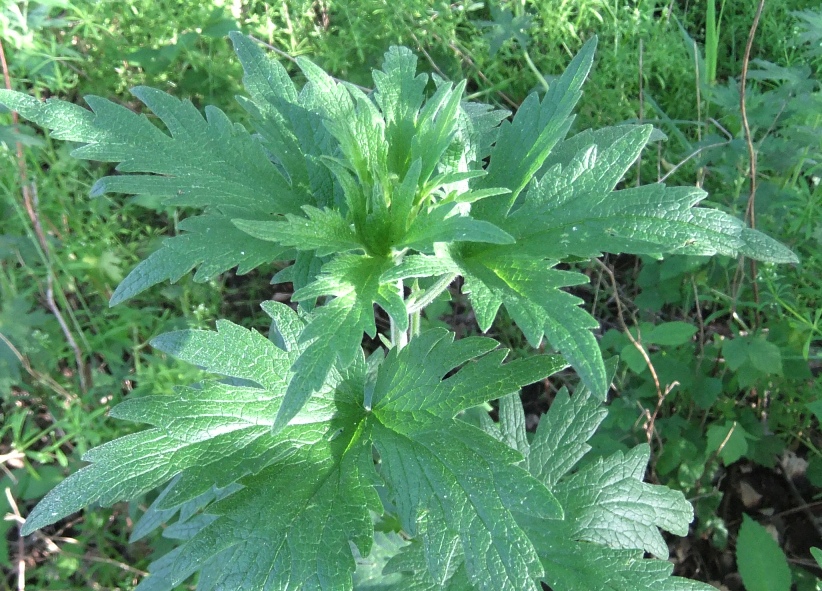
[(535, 70), (399, 338), (418, 303)]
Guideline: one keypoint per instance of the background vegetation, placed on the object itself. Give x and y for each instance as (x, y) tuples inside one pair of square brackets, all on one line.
[(720, 360)]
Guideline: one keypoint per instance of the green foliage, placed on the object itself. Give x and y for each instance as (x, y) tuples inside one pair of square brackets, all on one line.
[(600, 542), (741, 385), (760, 560), (278, 466)]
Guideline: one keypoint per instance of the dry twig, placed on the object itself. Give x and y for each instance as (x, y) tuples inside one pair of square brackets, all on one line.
[(750, 211), (31, 206), (21, 544), (650, 418)]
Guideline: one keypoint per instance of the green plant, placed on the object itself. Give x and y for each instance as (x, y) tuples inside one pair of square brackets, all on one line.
[(276, 468), (712, 28), (760, 560)]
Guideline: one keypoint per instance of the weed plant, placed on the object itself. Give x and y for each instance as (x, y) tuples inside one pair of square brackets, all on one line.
[(75, 49), (287, 461)]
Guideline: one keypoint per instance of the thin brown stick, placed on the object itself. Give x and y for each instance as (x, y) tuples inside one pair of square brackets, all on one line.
[(31, 205), (42, 378), (83, 372), (700, 173), (698, 151), (21, 543), (700, 320), (427, 55), (801, 502), (292, 59), (715, 455), (21, 159), (106, 560), (650, 417), (750, 211), (802, 509), (669, 11), (467, 59)]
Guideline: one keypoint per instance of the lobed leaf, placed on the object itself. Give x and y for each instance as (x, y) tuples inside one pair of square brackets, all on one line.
[(210, 436), (610, 515), (580, 566), (572, 210), (325, 231), (288, 528), (448, 479), (523, 144), (530, 291), (608, 503), (336, 329), (211, 243)]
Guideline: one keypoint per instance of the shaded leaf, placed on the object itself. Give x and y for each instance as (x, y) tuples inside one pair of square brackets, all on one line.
[(760, 560)]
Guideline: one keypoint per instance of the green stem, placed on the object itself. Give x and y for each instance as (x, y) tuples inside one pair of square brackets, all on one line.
[(417, 303), (534, 69), (415, 324), (399, 338)]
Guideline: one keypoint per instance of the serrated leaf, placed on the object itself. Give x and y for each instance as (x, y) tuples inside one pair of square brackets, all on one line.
[(512, 424), (324, 231), (399, 95), (477, 129), (306, 491), (609, 504), (290, 124), (760, 560), (523, 144), (286, 326), (436, 127), (562, 435), (421, 265), (610, 515), (412, 565), (231, 351), (11, 135), (185, 526), (369, 575), (336, 329), (255, 543), (580, 566), (266, 80), (304, 494), (445, 476), (506, 26), (211, 243), (154, 517), (205, 162), (211, 436), (529, 289), (135, 464), (571, 208), (444, 225)]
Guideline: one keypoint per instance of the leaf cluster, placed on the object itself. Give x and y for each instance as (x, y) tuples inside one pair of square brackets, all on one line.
[(274, 468)]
